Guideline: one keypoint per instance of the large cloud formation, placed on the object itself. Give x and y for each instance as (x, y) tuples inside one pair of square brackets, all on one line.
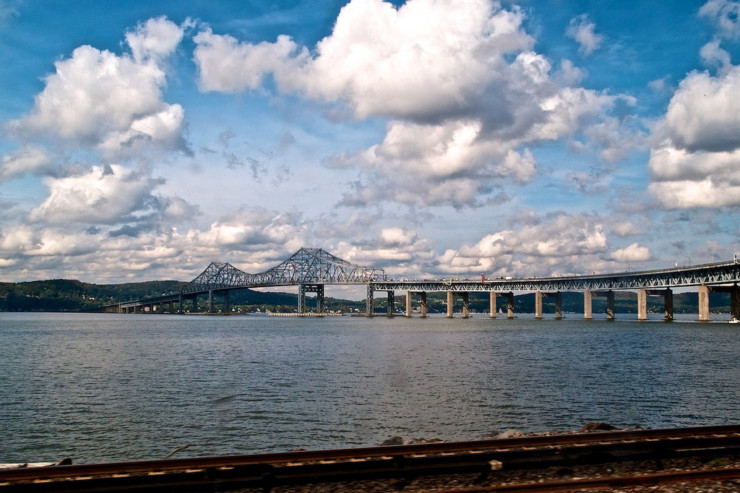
[(696, 159), (463, 90), (538, 245), (112, 103)]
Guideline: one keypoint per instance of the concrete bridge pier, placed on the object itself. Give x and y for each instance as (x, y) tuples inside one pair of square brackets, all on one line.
[(538, 295), (422, 303), (587, 298), (642, 295), (704, 300), (369, 301), (391, 306), (703, 303), (210, 301), (509, 304), (451, 303)]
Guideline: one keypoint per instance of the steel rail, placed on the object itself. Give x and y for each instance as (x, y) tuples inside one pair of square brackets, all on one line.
[(609, 482), (344, 464)]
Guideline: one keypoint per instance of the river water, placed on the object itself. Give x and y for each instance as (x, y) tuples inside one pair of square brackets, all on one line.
[(98, 387)]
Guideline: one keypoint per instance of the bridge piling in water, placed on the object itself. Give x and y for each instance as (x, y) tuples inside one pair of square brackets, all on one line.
[(704, 300), (410, 303), (667, 295), (539, 295), (465, 303)]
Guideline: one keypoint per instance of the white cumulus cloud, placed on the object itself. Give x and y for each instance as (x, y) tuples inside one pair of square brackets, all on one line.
[(458, 80), (696, 159), (560, 241), (31, 160), (632, 253), (724, 14), (581, 29), (113, 103), (105, 195)]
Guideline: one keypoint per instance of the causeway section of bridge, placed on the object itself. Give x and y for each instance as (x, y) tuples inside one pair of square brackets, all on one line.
[(310, 270), (707, 278)]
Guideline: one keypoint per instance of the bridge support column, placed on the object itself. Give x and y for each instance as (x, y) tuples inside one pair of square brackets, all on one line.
[(734, 300), (227, 302), (609, 301), (391, 308), (410, 304), (320, 299), (210, 301), (588, 313), (451, 304), (538, 295), (172, 307), (311, 288), (667, 295), (369, 311), (492, 304), (610, 305), (703, 303), (641, 304), (668, 305), (509, 305), (195, 303)]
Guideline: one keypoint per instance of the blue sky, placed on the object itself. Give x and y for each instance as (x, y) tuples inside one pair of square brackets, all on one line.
[(143, 140)]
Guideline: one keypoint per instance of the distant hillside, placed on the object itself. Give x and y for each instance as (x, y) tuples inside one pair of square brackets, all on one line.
[(71, 295)]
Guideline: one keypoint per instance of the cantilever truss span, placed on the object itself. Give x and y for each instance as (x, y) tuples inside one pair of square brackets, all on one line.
[(306, 266)]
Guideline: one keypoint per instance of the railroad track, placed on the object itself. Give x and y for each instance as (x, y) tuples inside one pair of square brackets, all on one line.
[(484, 457)]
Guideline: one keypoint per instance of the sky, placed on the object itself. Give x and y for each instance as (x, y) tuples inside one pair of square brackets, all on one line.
[(432, 138)]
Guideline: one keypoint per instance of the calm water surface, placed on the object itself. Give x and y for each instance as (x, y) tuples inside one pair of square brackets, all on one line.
[(128, 387)]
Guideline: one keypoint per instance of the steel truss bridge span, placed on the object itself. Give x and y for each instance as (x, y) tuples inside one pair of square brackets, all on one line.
[(697, 275), (309, 268), (717, 277), (306, 266), (312, 268)]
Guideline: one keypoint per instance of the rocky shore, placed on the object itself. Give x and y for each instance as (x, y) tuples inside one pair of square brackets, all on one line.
[(473, 482)]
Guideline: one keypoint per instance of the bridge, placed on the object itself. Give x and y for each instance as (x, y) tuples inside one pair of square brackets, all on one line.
[(311, 269)]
